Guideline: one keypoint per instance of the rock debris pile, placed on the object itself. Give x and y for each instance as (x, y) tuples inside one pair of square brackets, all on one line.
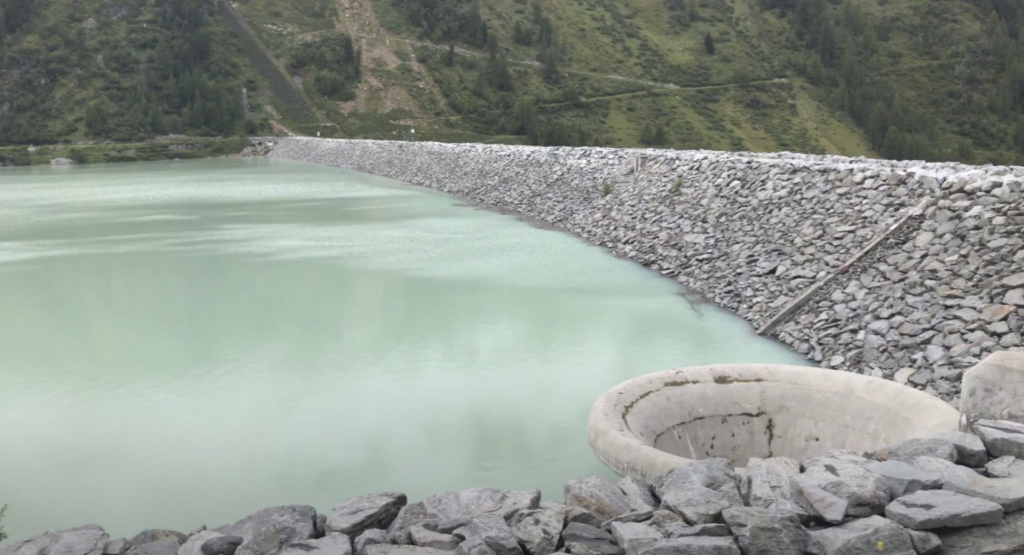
[(753, 232), (954, 493)]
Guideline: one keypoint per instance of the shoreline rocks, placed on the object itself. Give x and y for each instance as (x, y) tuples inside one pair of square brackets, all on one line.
[(751, 232)]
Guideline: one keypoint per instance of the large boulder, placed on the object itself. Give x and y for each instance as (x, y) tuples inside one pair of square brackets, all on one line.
[(634, 536), (353, 516), (423, 537), (865, 493), (493, 531), (1005, 537), (1008, 492), (865, 536), (453, 509), (760, 531), (910, 449), (767, 484), (1005, 467), (580, 539), (266, 532), (925, 543), (599, 496), (715, 474), (221, 545), (693, 546), (166, 546), (902, 478), (474, 546), (85, 540), (1001, 438), (538, 531), (332, 544), (370, 537), (931, 509), (155, 535), (970, 451)]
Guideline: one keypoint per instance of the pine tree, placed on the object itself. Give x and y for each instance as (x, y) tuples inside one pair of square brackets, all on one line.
[(709, 43), (660, 137)]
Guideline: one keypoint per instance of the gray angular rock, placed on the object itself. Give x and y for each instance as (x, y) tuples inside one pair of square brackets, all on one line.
[(911, 449), (1002, 538), (925, 543), (902, 478), (474, 546), (166, 546), (702, 530), (696, 504), (452, 509), (638, 516), (353, 516), (370, 537), (267, 531), (599, 496), (715, 474), (638, 494), (761, 531), (494, 531), (1014, 297), (1007, 492), (865, 493), (1001, 438), (222, 545), (194, 544), (389, 549), (422, 537), (84, 540), (817, 502), (666, 522), (767, 484), (150, 536), (693, 546), (931, 509), (115, 547), (864, 536), (970, 451), (1005, 467), (538, 531), (331, 544), (580, 539), (633, 536)]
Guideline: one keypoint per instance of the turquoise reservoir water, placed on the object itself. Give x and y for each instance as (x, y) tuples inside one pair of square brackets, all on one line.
[(185, 343)]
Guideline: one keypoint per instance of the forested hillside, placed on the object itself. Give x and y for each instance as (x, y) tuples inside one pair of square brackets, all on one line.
[(915, 79)]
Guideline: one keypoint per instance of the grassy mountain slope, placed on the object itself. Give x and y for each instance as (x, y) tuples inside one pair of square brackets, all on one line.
[(933, 79)]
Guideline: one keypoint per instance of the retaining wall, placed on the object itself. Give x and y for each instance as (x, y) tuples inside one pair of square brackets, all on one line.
[(753, 232)]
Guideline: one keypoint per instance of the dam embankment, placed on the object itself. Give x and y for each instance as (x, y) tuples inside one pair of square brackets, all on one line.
[(910, 271)]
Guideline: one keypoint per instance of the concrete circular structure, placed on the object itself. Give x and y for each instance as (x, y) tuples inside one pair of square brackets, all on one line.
[(652, 424)]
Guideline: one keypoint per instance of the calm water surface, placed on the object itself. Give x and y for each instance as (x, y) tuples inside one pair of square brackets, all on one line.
[(185, 343)]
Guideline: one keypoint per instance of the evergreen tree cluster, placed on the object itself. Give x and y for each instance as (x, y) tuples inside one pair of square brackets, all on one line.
[(446, 20), (336, 62), (681, 13)]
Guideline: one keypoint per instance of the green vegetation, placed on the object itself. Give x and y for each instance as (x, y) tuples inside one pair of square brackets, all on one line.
[(185, 149), (915, 79), (3, 511)]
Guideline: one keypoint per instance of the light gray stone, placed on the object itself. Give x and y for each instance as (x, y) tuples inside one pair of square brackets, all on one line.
[(1005, 467), (970, 451), (931, 509), (696, 504), (266, 532), (818, 502), (911, 449), (194, 544), (925, 543), (473, 546), (865, 493), (452, 509), (115, 547), (632, 537), (599, 496), (1001, 438), (155, 535), (580, 539), (1016, 280), (715, 474), (424, 537), (866, 536), (370, 537), (638, 494), (1007, 492), (761, 531), (538, 530), (494, 531), (389, 549), (902, 478), (84, 540), (331, 544), (767, 484), (693, 546), (993, 389), (1005, 537), (166, 546), (1014, 297), (353, 516)]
